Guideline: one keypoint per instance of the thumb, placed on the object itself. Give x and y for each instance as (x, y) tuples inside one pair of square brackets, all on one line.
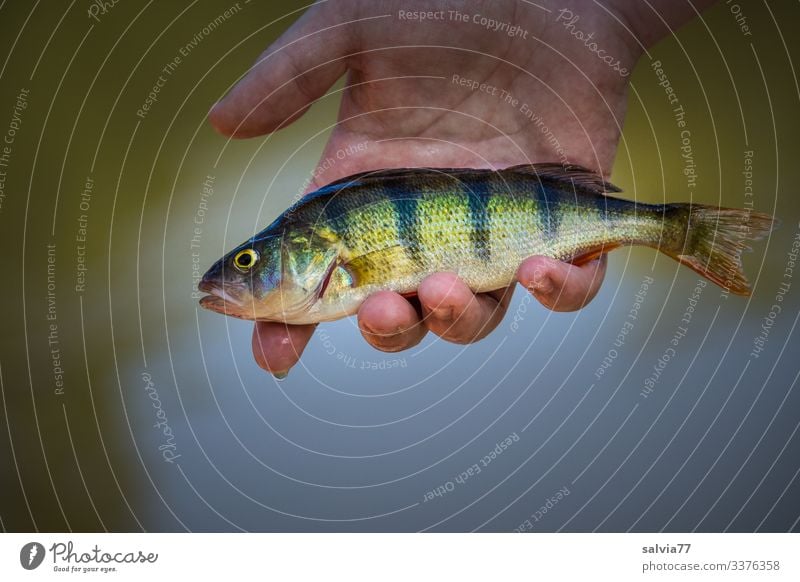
[(294, 71)]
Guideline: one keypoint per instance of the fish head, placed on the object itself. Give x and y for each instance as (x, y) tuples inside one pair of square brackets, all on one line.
[(273, 277), (237, 281)]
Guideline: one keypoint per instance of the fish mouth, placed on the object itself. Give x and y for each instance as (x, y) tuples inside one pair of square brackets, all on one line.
[(221, 301), (217, 290)]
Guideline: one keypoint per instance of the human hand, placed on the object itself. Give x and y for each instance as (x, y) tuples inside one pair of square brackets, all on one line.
[(554, 90)]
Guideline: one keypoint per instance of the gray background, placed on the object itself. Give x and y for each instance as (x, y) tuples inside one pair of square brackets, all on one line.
[(354, 439)]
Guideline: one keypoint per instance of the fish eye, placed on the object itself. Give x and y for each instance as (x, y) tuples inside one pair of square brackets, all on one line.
[(245, 260)]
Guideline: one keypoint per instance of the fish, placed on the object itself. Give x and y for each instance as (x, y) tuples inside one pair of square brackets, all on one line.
[(389, 229)]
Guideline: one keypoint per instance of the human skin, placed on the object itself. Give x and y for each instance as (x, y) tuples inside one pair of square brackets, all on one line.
[(404, 106)]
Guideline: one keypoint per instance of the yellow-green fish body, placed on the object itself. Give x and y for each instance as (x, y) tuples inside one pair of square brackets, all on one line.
[(390, 229)]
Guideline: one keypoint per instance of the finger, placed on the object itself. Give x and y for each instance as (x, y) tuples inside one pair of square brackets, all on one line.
[(277, 346), (562, 286), (453, 312), (389, 322), (294, 71)]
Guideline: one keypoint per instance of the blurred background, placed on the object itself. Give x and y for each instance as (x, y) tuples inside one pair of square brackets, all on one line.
[(128, 408)]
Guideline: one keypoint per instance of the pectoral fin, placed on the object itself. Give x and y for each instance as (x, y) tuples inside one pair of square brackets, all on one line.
[(375, 267)]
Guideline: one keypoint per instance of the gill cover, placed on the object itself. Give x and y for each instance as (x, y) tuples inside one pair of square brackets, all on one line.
[(309, 259)]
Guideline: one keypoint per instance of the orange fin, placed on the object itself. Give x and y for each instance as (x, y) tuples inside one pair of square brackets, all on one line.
[(589, 256)]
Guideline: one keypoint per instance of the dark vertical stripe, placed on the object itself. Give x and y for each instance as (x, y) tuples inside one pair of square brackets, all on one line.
[(478, 194), (548, 210), (601, 204), (336, 213), (407, 217)]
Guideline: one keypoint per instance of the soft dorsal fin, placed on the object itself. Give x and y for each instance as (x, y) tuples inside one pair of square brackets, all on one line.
[(389, 173), (577, 175), (384, 173)]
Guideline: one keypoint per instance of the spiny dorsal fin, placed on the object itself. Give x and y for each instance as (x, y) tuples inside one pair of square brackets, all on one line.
[(389, 173), (378, 176), (385, 173), (578, 175)]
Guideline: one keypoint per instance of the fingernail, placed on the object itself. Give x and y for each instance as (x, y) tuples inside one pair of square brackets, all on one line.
[(374, 333), (281, 374)]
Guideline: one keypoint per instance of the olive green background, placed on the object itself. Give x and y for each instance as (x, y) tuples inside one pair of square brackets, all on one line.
[(313, 452)]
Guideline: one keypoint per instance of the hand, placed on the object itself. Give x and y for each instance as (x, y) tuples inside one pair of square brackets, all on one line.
[(554, 90)]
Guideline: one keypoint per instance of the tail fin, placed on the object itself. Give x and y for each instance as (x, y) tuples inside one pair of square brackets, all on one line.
[(715, 240)]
